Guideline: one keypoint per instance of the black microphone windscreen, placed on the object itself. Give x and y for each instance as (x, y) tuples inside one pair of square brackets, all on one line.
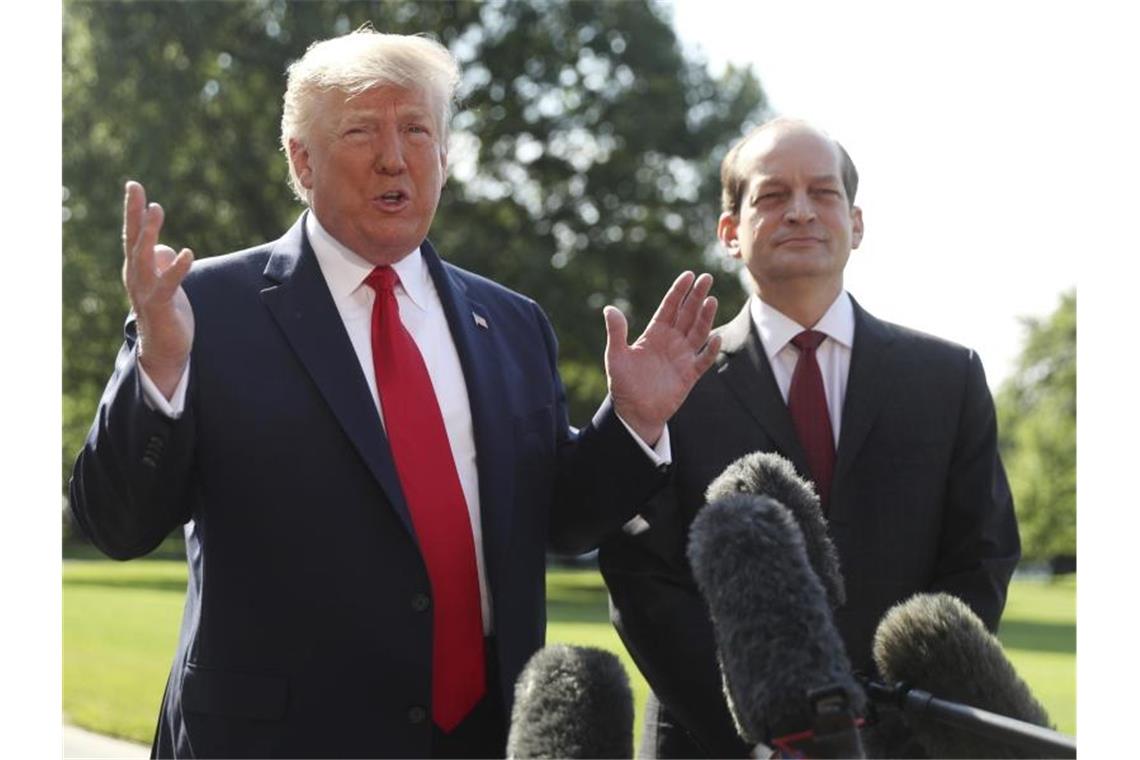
[(767, 474), (572, 702), (774, 632), (935, 642)]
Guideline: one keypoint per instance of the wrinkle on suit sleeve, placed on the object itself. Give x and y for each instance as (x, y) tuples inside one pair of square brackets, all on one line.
[(130, 486), (980, 546)]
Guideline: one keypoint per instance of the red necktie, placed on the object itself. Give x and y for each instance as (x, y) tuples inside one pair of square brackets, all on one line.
[(435, 499), (807, 404)]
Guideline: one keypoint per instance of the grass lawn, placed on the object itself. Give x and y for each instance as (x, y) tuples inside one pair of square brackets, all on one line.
[(120, 626), (1039, 634)]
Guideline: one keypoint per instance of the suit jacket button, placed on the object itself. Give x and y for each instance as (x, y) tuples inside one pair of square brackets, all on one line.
[(421, 602), (417, 714)]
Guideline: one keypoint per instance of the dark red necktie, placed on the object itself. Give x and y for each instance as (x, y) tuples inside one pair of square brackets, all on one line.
[(807, 404), (430, 482)]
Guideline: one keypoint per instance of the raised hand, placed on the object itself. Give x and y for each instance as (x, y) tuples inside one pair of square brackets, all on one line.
[(649, 380), (152, 275)]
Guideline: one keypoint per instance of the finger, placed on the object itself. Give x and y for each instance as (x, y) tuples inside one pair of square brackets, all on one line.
[(141, 264), (164, 255), (702, 325), (617, 329), (667, 311), (708, 355), (694, 301), (134, 203), (172, 276)]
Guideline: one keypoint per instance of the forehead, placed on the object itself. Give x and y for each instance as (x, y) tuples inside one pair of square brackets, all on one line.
[(788, 155), (379, 99)]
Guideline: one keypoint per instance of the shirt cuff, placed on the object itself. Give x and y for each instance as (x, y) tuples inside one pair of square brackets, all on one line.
[(661, 454), (156, 401)]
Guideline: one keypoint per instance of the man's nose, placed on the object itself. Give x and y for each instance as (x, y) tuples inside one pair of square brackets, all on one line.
[(389, 152), (800, 209)]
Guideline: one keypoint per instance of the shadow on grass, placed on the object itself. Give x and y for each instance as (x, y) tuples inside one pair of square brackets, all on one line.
[(1038, 637), (576, 598), (563, 612), (173, 547), (148, 584)]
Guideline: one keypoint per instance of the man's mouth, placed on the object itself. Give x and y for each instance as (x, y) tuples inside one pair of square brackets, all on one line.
[(393, 200)]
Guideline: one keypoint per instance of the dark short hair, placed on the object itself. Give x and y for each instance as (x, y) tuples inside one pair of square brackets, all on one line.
[(733, 180)]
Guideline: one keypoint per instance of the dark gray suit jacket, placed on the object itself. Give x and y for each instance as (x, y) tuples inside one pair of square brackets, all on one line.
[(919, 502)]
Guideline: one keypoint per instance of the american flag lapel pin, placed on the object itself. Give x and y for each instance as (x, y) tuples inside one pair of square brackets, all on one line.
[(479, 320)]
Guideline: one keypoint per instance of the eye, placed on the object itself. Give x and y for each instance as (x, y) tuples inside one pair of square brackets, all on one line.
[(772, 196)]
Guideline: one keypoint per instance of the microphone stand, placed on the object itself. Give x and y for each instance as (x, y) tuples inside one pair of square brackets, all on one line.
[(1026, 737)]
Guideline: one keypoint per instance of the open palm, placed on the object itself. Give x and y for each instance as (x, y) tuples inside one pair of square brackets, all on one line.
[(650, 379)]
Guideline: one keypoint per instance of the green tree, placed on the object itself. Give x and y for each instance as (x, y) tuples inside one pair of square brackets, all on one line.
[(584, 160), (1037, 418)]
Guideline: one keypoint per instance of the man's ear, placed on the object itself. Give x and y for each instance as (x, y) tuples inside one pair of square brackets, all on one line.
[(299, 157), (726, 231), (856, 226)]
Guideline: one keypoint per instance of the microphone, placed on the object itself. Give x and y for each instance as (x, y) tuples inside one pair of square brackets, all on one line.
[(786, 676), (572, 702), (771, 475), (934, 644)]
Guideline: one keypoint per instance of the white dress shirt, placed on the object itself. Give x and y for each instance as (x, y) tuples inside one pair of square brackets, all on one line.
[(776, 331), (422, 314), (423, 318)]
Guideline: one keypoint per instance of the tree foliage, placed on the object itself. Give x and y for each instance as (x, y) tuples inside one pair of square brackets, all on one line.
[(584, 155), (1037, 419)]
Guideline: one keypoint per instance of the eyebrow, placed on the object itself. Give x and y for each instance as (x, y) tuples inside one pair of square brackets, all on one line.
[(772, 180), (401, 111)]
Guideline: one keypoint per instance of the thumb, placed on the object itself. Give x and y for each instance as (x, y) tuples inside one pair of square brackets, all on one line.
[(617, 329)]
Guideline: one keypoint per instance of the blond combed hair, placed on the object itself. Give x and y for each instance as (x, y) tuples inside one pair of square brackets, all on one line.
[(356, 62)]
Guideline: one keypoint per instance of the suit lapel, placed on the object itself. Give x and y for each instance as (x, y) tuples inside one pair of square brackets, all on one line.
[(743, 366), (867, 390), (472, 329), (299, 300)]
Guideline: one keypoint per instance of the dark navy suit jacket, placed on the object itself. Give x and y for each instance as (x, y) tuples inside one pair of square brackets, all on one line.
[(919, 502), (307, 628)]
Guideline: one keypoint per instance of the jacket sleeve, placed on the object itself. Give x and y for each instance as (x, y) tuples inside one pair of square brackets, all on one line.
[(979, 544), (130, 486)]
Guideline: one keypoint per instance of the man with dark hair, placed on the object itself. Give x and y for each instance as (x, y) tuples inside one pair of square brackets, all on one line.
[(895, 429)]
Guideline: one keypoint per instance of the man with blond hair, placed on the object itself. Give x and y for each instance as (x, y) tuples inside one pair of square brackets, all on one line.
[(367, 447), (895, 429)]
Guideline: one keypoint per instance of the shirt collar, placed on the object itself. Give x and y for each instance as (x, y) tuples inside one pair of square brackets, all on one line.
[(776, 329), (345, 270)]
